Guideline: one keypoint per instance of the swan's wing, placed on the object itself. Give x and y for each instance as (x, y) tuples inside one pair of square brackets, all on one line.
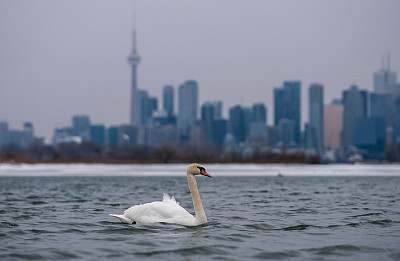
[(167, 211)]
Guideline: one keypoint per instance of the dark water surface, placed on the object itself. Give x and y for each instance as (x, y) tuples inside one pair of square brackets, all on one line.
[(277, 218)]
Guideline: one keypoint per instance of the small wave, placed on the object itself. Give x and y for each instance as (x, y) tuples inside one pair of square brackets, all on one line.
[(188, 251), (368, 214), (298, 227), (342, 250), (260, 226), (278, 255), (374, 222), (8, 224), (39, 202)]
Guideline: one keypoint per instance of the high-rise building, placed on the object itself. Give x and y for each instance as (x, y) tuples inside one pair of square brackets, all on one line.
[(207, 119), (333, 125), (287, 133), (98, 134), (27, 135), (287, 106), (385, 79), (237, 123), (220, 128), (112, 136), (187, 107), (81, 126), (140, 108), (316, 116), (134, 60), (370, 134), (153, 106), (355, 106), (259, 113), (217, 109), (3, 133), (168, 100)]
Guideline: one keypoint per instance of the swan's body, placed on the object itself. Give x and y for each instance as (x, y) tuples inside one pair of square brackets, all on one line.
[(168, 210)]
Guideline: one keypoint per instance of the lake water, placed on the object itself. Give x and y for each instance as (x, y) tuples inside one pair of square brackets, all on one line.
[(308, 212)]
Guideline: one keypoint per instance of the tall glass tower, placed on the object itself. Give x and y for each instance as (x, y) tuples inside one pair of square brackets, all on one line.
[(287, 106), (316, 115)]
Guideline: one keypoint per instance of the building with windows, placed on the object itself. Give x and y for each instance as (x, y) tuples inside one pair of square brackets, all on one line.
[(355, 106), (316, 118), (187, 108), (287, 107)]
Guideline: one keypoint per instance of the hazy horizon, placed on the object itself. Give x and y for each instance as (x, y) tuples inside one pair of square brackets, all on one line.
[(65, 58)]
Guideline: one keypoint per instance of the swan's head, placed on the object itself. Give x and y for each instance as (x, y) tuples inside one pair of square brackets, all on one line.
[(196, 169)]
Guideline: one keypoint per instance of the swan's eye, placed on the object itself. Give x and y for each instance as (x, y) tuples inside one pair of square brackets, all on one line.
[(201, 169)]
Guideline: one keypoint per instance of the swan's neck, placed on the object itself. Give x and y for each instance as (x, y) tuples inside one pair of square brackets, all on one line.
[(198, 206)]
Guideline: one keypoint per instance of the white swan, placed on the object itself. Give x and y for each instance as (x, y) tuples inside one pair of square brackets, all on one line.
[(168, 210)]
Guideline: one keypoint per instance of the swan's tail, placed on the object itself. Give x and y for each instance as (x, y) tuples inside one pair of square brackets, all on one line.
[(123, 219)]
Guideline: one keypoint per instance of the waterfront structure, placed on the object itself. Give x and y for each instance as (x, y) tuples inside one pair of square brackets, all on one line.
[(333, 125), (134, 60), (316, 117), (187, 107), (3, 133), (257, 134), (112, 136), (81, 126), (127, 135), (370, 134), (98, 134), (168, 100), (287, 107), (27, 135), (355, 106)]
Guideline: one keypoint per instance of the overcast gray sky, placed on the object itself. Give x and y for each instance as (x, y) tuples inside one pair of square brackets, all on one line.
[(62, 58)]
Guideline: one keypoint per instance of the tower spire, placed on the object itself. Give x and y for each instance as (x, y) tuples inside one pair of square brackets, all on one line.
[(133, 60)]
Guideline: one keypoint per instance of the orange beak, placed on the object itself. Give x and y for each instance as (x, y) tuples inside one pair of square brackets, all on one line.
[(203, 172)]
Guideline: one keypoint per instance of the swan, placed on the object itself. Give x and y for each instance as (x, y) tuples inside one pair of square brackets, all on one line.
[(168, 210)]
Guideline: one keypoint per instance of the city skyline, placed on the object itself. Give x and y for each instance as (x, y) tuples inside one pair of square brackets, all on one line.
[(40, 87)]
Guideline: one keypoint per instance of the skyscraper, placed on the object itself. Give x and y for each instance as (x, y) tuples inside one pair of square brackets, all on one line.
[(287, 107), (187, 107), (237, 123), (140, 112), (134, 60), (333, 125), (217, 110), (355, 106), (168, 100), (98, 134), (316, 115), (384, 80), (207, 119), (81, 126), (27, 135), (259, 113)]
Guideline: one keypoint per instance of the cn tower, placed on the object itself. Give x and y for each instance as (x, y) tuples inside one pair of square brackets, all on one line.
[(133, 60)]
